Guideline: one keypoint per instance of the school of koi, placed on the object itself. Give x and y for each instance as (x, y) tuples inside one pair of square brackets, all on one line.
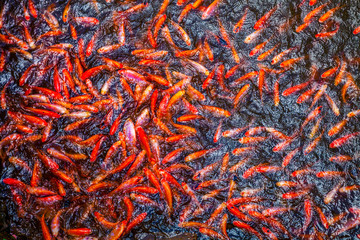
[(121, 116)]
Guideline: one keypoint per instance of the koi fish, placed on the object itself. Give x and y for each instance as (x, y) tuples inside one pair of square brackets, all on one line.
[(238, 26), (343, 140), (329, 14), (263, 20), (210, 9), (315, 12)]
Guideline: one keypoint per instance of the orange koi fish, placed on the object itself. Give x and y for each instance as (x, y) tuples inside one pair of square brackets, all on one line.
[(328, 34), (314, 12), (240, 23), (329, 14), (278, 57), (86, 21), (263, 20), (253, 36), (248, 228), (210, 10), (259, 48), (266, 54)]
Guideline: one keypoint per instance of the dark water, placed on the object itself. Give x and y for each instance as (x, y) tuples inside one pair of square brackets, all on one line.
[(287, 117)]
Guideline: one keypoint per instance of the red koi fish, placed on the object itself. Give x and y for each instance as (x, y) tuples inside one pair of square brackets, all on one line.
[(356, 30), (343, 140)]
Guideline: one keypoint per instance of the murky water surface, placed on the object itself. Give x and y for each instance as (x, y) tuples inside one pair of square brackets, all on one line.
[(283, 159)]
